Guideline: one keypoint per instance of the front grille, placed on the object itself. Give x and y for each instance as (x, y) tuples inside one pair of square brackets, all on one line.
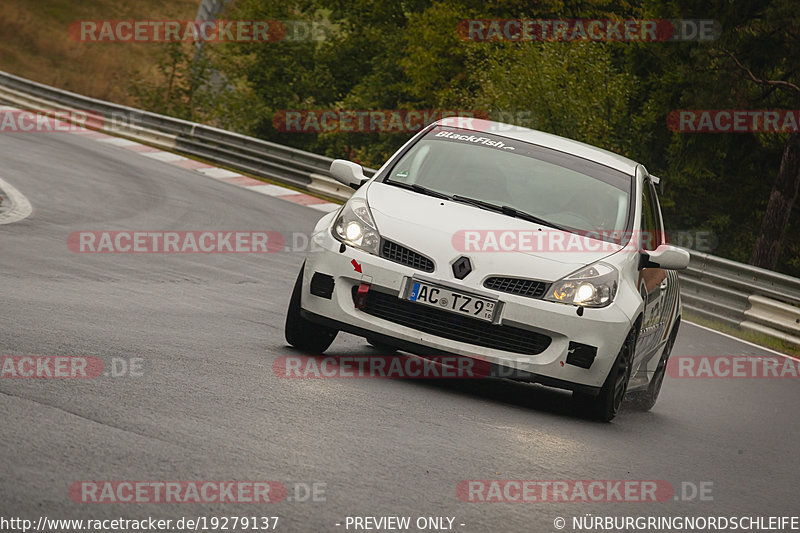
[(400, 254), (523, 287), (453, 326)]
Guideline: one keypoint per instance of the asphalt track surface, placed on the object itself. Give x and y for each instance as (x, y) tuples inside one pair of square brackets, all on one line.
[(208, 406)]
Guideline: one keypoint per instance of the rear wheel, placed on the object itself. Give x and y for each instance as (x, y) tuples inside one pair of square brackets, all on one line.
[(301, 333), (604, 406), (645, 400)]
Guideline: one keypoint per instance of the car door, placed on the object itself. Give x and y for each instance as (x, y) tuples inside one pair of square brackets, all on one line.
[(653, 282), (669, 286)]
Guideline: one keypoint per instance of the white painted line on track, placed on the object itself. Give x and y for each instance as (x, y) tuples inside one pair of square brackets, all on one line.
[(167, 157), (754, 345), (218, 173), (270, 190), (327, 208), (118, 141), (20, 206)]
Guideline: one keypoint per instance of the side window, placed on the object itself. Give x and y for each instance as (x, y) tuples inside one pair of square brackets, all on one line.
[(650, 237), (662, 234)]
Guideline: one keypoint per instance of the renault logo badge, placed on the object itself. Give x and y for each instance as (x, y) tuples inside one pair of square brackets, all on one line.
[(462, 267)]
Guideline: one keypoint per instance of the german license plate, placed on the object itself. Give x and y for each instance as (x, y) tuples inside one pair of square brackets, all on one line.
[(453, 301)]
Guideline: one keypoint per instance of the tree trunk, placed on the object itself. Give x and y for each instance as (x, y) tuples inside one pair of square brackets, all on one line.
[(779, 207)]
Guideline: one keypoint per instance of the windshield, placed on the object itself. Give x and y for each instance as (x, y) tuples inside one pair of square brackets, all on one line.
[(560, 189)]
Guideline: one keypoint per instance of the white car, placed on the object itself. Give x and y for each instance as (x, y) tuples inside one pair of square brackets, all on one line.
[(540, 255)]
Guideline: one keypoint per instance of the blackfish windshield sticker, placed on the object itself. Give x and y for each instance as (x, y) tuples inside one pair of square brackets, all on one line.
[(507, 145), (473, 139)]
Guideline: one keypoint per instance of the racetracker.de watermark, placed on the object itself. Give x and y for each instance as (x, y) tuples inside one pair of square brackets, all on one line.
[(379, 366), (363, 120), (48, 121), (564, 490), (206, 492), (558, 241), (734, 120), (628, 30), (202, 31), (176, 242), (68, 367), (733, 367)]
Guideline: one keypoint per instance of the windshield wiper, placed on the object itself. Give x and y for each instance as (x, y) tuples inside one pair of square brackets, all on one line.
[(506, 210), (419, 188), (516, 213), (477, 203)]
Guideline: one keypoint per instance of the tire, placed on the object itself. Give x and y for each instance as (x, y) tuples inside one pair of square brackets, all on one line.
[(605, 406), (301, 333), (645, 400)]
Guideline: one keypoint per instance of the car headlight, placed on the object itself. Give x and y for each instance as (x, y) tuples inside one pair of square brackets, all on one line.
[(355, 226), (593, 286)]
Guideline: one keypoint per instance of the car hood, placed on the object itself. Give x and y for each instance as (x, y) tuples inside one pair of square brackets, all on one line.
[(444, 231)]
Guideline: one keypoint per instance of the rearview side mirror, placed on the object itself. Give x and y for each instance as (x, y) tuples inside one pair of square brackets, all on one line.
[(667, 257), (348, 173)]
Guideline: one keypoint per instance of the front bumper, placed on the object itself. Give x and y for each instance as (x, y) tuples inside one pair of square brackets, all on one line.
[(604, 328)]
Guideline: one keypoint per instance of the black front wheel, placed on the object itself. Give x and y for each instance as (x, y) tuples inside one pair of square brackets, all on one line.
[(645, 400), (605, 406), (301, 333)]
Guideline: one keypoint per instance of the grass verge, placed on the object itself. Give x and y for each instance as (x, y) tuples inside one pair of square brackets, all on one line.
[(35, 44)]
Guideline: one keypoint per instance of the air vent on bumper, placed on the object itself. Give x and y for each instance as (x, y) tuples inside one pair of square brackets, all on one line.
[(523, 287), (581, 355), (322, 285), (405, 256)]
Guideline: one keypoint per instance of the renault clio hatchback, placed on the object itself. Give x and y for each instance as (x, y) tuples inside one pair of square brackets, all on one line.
[(542, 256)]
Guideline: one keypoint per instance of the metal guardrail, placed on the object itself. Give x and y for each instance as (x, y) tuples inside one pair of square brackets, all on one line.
[(742, 296), (719, 289), (262, 158)]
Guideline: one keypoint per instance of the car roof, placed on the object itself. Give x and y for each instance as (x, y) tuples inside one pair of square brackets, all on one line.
[(547, 140)]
